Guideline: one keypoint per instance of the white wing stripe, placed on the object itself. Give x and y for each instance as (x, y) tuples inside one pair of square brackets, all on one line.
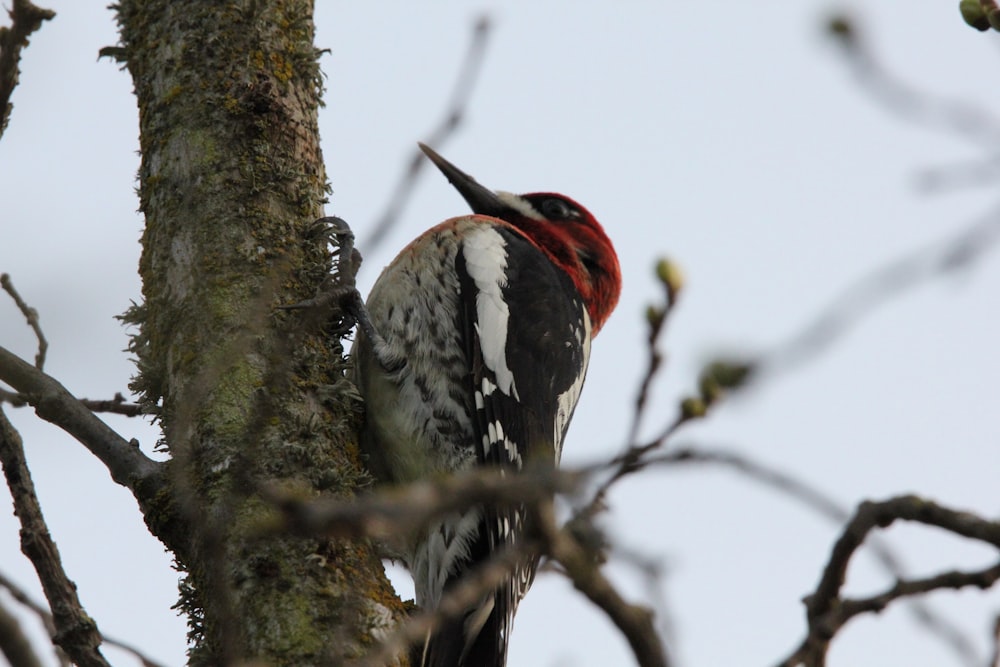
[(485, 253)]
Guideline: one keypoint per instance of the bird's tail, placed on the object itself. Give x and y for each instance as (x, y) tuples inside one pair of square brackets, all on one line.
[(476, 639)]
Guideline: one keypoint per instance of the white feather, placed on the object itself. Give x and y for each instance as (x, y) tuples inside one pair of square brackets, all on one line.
[(485, 254), (519, 204)]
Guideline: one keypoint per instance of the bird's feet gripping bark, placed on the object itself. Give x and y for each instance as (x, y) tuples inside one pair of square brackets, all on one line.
[(340, 291)]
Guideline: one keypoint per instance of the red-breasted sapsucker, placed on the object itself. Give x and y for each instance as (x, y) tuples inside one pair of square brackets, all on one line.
[(485, 323)]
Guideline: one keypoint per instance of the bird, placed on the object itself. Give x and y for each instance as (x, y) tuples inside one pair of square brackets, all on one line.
[(475, 356)]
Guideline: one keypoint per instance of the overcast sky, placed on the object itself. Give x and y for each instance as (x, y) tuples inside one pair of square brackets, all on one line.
[(729, 136)]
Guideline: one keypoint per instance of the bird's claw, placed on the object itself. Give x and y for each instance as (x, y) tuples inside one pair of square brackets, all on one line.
[(342, 292)]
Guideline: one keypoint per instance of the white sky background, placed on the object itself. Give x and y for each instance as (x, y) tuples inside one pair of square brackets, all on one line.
[(730, 136)]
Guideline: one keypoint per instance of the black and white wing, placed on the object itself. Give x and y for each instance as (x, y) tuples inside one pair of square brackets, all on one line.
[(527, 336)]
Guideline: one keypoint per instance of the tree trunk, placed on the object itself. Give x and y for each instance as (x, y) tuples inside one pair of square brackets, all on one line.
[(230, 182)]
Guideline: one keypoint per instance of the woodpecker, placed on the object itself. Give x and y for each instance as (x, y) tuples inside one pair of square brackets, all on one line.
[(483, 324)]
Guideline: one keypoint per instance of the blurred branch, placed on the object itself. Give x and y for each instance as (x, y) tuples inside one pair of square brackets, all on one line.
[(53, 403), (26, 18), (971, 122), (770, 477), (979, 125), (633, 621), (76, 633), (632, 460), (393, 510), (31, 315), (866, 294), (45, 616), (717, 378), (981, 172), (827, 612), (14, 644), (995, 658), (653, 571), (453, 117), (458, 598)]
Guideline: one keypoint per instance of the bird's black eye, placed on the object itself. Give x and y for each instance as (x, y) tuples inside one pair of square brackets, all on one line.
[(557, 209)]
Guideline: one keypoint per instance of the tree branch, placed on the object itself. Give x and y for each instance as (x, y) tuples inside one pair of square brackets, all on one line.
[(76, 632), (53, 403), (827, 612), (26, 18), (670, 278), (924, 614)]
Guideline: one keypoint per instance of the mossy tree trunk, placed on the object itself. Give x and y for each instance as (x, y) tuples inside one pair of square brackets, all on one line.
[(230, 182)]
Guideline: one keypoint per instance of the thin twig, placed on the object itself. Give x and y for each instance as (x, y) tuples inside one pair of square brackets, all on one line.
[(26, 18), (656, 319), (117, 405), (453, 116), (31, 315), (76, 632)]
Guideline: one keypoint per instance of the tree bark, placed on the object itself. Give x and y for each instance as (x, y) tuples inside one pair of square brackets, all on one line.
[(230, 181)]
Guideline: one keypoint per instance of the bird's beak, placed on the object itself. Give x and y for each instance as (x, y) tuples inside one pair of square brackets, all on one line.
[(482, 200)]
